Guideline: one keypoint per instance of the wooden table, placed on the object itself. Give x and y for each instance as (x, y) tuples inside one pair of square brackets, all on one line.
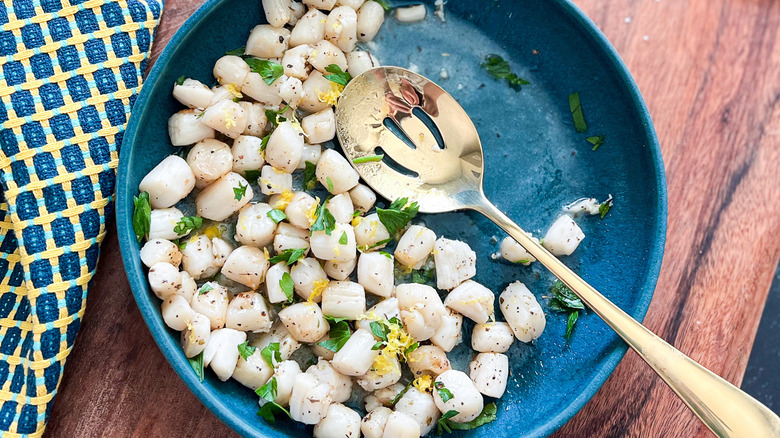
[(710, 73)]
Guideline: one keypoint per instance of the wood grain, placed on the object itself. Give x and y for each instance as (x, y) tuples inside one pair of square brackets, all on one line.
[(710, 73)]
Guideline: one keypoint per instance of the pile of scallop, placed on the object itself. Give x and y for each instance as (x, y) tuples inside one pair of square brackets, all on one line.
[(295, 296)]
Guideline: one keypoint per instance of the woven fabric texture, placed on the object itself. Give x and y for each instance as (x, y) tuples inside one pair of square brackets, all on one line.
[(70, 71)]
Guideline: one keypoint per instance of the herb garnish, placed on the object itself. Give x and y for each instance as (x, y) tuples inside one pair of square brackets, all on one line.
[(276, 215), (309, 176), (264, 141), (444, 393), (395, 217), (197, 364), (576, 112), (236, 52), (275, 117), (566, 301), (246, 350), (338, 336), (605, 206), (330, 184), (271, 354), (596, 141), (268, 70), (343, 239), (268, 393), (142, 215), (239, 191), (368, 159), (287, 286), (487, 415), (180, 80), (252, 175), (499, 68), (386, 254), (384, 4), (187, 224), (325, 220), (205, 288), (337, 75), (289, 256)]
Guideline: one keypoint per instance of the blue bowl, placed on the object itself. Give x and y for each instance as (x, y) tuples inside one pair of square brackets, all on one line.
[(535, 163)]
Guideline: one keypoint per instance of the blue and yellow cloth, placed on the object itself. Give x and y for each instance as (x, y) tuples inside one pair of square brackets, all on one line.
[(70, 71)]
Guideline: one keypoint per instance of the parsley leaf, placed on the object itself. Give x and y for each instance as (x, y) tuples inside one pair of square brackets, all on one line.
[(487, 415), (368, 159), (236, 52), (187, 224), (422, 276), (274, 116), (444, 393), (271, 354), (499, 68), (336, 75), (142, 215), (596, 141), (277, 215), (576, 112), (287, 285), (268, 393), (443, 425), (239, 191), (268, 70), (309, 176), (395, 217), (264, 143), (386, 254), (564, 300), (400, 394), (197, 364), (181, 79), (289, 256), (334, 319), (338, 336), (379, 330), (325, 220), (411, 348), (205, 288), (380, 243), (252, 175), (330, 184), (384, 4), (246, 350), (605, 206), (343, 239)]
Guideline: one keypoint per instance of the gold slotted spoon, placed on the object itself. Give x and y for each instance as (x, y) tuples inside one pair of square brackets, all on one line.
[(433, 155)]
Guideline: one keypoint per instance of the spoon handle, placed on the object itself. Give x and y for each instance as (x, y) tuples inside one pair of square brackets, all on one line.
[(724, 408)]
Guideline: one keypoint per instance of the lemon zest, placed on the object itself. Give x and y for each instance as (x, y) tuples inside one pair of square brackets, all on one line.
[(319, 287), (234, 90), (356, 221), (398, 341), (284, 200), (423, 383), (267, 255), (311, 213), (374, 226), (331, 96)]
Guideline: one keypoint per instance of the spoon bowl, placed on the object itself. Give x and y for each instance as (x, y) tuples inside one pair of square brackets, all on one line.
[(407, 137)]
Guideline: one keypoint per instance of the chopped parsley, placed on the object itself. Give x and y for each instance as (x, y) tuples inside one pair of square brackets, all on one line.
[(368, 159), (343, 240), (181, 79), (268, 70), (275, 117), (236, 52), (605, 206), (395, 217), (197, 364), (264, 141), (187, 224), (444, 393), (338, 336), (246, 350), (268, 393), (309, 176), (411, 348), (379, 330), (289, 256), (325, 220), (271, 354), (487, 415), (337, 75), (287, 286), (423, 276), (276, 215), (205, 288), (564, 300), (386, 254), (576, 112), (142, 215), (240, 191), (330, 184), (380, 243), (499, 68), (384, 4), (596, 141), (252, 175)]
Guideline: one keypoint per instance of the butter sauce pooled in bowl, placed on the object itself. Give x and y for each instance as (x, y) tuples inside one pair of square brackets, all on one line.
[(266, 265)]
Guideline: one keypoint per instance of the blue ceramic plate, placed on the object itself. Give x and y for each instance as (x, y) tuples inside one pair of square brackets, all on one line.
[(535, 163)]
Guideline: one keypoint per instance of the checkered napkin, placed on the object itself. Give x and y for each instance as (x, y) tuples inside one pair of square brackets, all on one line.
[(69, 74)]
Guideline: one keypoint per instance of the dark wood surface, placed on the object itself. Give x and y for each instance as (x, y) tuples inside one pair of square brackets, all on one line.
[(710, 73)]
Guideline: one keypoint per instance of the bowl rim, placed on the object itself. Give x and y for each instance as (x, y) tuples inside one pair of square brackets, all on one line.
[(179, 363)]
